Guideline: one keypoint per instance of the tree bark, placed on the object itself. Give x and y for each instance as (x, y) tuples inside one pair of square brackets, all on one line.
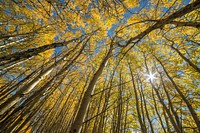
[(186, 59), (76, 126), (30, 52), (157, 112), (143, 129), (171, 105)]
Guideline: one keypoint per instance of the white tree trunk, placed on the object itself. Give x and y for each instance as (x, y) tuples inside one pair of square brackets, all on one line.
[(77, 125)]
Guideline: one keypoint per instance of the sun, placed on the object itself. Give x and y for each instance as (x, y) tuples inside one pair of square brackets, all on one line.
[(151, 76)]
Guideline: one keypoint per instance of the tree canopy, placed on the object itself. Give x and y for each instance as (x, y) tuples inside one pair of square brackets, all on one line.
[(99, 66)]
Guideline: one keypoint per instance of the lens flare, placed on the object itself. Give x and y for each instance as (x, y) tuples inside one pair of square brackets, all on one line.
[(151, 76)]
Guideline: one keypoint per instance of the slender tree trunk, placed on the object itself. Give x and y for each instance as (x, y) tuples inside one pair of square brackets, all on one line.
[(114, 121), (143, 129), (119, 112), (65, 122), (145, 106), (171, 105), (105, 105), (146, 110), (30, 52), (166, 120), (156, 108), (17, 41), (186, 59), (94, 130), (10, 66), (142, 110), (126, 115), (8, 88), (76, 127)]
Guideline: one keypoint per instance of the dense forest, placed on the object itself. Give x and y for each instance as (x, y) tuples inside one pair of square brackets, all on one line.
[(100, 66)]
